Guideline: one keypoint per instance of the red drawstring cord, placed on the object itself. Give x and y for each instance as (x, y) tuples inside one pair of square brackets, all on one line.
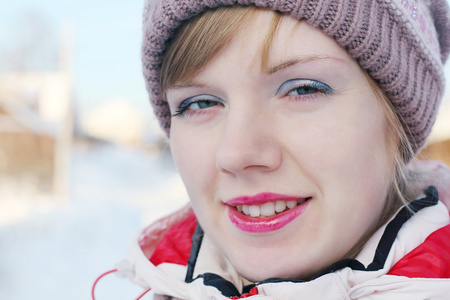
[(97, 280), (109, 272), (142, 295)]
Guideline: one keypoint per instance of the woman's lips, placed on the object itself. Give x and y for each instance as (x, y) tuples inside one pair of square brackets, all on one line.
[(265, 212)]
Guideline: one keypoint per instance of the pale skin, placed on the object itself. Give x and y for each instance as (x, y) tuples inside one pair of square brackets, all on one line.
[(309, 126)]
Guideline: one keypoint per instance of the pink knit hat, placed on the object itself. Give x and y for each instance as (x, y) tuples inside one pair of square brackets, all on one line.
[(402, 45)]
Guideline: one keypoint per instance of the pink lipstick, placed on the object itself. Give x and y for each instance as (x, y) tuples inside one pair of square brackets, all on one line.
[(265, 212)]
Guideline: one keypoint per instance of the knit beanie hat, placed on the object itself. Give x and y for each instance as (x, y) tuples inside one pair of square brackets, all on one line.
[(401, 44)]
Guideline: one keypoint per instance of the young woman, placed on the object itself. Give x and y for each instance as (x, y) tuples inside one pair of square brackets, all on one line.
[(292, 124)]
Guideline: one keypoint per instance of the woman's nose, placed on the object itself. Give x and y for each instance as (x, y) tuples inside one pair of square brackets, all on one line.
[(248, 143)]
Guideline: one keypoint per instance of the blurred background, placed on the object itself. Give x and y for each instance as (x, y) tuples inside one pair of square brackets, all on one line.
[(83, 163)]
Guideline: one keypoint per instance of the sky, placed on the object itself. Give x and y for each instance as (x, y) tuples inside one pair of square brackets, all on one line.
[(106, 53)]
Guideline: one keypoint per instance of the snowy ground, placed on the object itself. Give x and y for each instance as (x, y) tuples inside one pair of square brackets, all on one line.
[(52, 249)]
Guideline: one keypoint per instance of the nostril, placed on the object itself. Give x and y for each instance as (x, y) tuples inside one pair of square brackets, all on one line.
[(248, 159), (245, 145)]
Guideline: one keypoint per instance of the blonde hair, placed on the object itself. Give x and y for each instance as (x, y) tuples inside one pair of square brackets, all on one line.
[(200, 40), (405, 184)]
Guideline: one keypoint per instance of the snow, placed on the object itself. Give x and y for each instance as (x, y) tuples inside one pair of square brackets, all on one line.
[(55, 249)]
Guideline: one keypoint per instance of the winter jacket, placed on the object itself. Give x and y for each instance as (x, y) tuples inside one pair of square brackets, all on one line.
[(407, 258)]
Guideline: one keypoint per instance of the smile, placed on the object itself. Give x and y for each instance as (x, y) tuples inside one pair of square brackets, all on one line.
[(268, 209), (265, 212)]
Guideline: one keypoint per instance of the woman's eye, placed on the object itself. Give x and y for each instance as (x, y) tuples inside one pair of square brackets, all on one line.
[(194, 104), (201, 104), (303, 87), (304, 90)]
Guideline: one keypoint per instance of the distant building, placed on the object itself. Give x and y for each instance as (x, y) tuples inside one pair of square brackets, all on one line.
[(36, 128)]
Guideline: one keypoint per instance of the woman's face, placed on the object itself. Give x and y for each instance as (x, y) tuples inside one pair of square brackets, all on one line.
[(286, 168)]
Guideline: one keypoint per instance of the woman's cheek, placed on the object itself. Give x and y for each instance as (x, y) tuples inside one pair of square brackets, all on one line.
[(194, 159)]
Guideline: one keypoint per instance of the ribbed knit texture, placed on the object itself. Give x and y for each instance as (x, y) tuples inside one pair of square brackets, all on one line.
[(402, 44)]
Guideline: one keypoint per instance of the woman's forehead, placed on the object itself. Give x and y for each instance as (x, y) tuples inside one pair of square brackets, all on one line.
[(273, 47), (293, 36), (293, 43)]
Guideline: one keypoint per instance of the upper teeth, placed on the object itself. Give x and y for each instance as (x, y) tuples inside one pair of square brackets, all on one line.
[(267, 209)]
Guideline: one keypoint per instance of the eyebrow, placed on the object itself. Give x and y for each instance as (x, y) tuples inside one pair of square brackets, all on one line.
[(187, 84), (300, 60)]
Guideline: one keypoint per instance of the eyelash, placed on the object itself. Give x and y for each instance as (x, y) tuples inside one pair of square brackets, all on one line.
[(297, 84), (184, 110), (285, 89)]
